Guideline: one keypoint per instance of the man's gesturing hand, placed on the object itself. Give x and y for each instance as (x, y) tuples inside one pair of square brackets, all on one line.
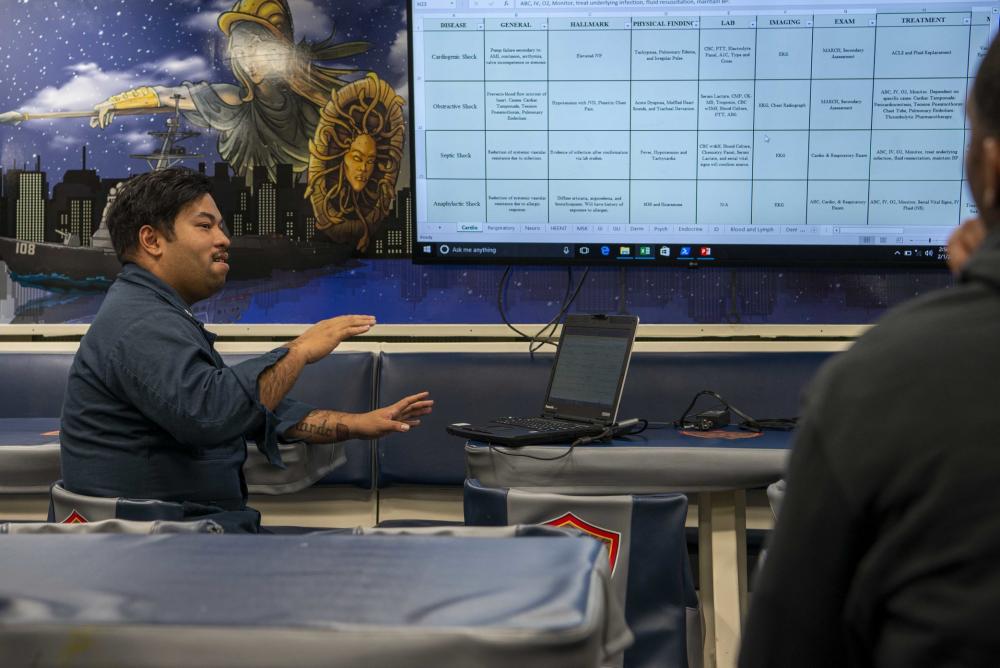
[(319, 340), (399, 416)]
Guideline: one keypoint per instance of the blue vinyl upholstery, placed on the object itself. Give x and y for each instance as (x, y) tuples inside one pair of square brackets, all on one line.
[(652, 577), (34, 384), (765, 385), (467, 387), (330, 600)]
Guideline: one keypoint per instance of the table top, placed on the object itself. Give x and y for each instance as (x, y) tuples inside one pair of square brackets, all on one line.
[(731, 438), (386, 597), (651, 462)]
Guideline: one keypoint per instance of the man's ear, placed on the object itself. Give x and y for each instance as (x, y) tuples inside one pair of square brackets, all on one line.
[(991, 173), (150, 241)]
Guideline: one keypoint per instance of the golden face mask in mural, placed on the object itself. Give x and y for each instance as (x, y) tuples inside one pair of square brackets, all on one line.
[(354, 160), (359, 162)]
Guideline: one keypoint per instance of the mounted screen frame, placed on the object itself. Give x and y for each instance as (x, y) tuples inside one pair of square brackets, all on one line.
[(465, 145)]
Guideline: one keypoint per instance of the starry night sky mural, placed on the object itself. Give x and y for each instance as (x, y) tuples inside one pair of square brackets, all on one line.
[(69, 55)]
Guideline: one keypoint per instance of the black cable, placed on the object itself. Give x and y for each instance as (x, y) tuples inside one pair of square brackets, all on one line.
[(606, 435), (542, 337), (718, 397), (539, 339), (500, 296), (748, 423), (777, 424), (567, 302), (622, 291)]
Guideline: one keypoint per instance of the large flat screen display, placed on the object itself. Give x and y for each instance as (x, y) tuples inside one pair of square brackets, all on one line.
[(691, 132)]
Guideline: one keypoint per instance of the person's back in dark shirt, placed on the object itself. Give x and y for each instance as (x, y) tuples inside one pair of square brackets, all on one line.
[(885, 552), (886, 548)]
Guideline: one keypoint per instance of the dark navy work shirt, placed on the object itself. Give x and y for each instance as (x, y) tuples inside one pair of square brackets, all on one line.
[(151, 410)]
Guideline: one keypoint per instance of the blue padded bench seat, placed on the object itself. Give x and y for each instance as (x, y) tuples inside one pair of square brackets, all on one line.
[(29, 455), (30, 407), (30, 399), (478, 386)]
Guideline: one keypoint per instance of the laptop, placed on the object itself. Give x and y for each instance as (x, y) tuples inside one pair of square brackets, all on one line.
[(584, 390)]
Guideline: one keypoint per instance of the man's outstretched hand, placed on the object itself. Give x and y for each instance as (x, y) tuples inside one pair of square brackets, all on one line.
[(399, 416), (319, 340)]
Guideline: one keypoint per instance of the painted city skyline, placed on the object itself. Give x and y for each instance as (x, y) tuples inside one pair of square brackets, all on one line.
[(33, 210)]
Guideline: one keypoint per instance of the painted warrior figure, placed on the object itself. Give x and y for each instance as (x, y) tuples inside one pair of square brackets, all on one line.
[(269, 118), (288, 109)]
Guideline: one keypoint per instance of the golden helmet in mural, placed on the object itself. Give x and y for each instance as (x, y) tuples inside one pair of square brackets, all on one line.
[(272, 14)]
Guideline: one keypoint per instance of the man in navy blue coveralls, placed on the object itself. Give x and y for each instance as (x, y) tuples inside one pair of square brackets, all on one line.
[(151, 410)]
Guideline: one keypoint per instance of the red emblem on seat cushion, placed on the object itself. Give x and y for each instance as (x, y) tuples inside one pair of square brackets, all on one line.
[(75, 518), (611, 539)]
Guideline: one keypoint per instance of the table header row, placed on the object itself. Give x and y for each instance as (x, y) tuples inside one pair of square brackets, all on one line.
[(761, 22)]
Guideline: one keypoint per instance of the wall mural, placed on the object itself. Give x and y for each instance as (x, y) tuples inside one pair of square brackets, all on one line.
[(296, 109)]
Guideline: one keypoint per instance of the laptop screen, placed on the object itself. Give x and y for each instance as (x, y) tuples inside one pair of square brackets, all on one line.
[(590, 367)]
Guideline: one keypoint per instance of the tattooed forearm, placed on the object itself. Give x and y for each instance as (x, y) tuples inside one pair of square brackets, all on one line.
[(321, 427), (338, 432), (278, 379)]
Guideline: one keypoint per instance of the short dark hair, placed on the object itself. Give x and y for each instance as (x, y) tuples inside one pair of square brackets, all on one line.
[(986, 91), (154, 198)]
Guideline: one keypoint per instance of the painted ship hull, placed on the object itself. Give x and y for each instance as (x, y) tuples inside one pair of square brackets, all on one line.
[(57, 266), (60, 267)]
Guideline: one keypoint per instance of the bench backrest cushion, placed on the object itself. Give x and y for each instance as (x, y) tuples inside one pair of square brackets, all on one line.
[(466, 387), (34, 384), (660, 386)]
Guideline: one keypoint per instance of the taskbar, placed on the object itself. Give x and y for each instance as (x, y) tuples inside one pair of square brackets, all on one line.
[(681, 254)]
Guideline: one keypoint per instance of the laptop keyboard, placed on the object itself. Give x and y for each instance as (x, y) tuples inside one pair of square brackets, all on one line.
[(538, 424)]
